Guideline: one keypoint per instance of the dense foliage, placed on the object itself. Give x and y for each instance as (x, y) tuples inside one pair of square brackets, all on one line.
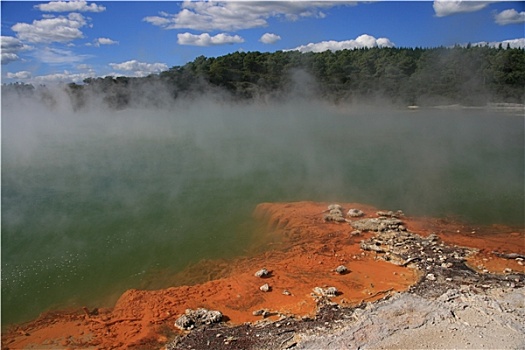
[(471, 75)]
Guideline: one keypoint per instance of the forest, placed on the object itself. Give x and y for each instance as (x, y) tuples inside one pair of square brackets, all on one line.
[(471, 76)]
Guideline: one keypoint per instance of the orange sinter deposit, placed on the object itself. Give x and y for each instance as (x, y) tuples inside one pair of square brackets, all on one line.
[(301, 252), (495, 244)]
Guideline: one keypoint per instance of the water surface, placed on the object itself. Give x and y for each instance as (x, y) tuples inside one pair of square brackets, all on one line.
[(94, 203)]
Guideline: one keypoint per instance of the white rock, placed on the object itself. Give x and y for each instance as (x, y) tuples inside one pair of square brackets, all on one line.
[(265, 287)]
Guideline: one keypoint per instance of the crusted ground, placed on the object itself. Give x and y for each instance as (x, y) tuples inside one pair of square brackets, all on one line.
[(403, 275), (451, 306)]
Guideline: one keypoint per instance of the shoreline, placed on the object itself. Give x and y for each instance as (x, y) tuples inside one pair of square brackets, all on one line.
[(304, 249), (504, 107)]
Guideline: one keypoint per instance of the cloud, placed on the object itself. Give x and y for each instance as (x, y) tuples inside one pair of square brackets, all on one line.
[(102, 41), (70, 6), (510, 16), (11, 46), (57, 29), (83, 66), (236, 15), (22, 75), (139, 69), (518, 43), (205, 39), (269, 38), (65, 77), (9, 57), (106, 41), (444, 8), (163, 21), (52, 55), (361, 41)]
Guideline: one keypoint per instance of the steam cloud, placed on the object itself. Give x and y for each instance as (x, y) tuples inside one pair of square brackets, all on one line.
[(165, 182)]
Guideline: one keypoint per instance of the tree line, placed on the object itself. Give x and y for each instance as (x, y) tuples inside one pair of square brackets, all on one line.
[(471, 75)]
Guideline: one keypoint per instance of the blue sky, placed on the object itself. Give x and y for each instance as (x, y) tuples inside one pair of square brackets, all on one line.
[(64, 41)]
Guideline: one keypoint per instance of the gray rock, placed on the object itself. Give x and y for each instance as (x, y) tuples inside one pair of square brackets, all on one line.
[(391, 214), (431, 277), (261, 312), (375, 246), (329, 292), (355, 213), (194, 318), (210, 316), (341, 269), (493, 319), (377, 224), (336, 213), (335, 207), (184, 322), (265, 287), (262, 273), (335, 218)]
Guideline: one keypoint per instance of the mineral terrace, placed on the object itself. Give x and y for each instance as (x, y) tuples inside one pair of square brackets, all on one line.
[(323, 275)]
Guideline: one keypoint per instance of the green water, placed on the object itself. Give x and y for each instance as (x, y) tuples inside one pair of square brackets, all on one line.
[(97, 203)]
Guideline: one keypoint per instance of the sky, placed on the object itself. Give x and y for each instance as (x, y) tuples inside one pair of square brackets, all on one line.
[(69, 41)]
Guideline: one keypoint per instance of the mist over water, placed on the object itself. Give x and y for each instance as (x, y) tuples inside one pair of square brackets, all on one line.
[(95, 202)]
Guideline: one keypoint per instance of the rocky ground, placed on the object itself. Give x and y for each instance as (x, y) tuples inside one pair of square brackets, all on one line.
[(467, 318), (452, 306), (332, 277)]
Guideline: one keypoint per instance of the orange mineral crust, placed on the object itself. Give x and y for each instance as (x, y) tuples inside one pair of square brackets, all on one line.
[(493, 243), (299, 249)]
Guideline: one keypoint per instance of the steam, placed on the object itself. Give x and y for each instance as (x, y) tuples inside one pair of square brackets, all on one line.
[(317, 140), (103, 197)]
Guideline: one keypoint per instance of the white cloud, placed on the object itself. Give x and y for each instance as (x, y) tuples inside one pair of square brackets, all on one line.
[(9, 57), (205, 39), (510, 16), (163, 21), (58, 29), (102, 41), (65, 77), (139, 69), (52, 55), (361, 41), (384, 42), (22, 75), (444, 8), (513, 43), (11, 46), (106, 41), (269, 38), (70, 6), (83, 66), (236, 15)]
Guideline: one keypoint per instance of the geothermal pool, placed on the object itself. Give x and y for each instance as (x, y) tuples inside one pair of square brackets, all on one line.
[(94, 203)]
